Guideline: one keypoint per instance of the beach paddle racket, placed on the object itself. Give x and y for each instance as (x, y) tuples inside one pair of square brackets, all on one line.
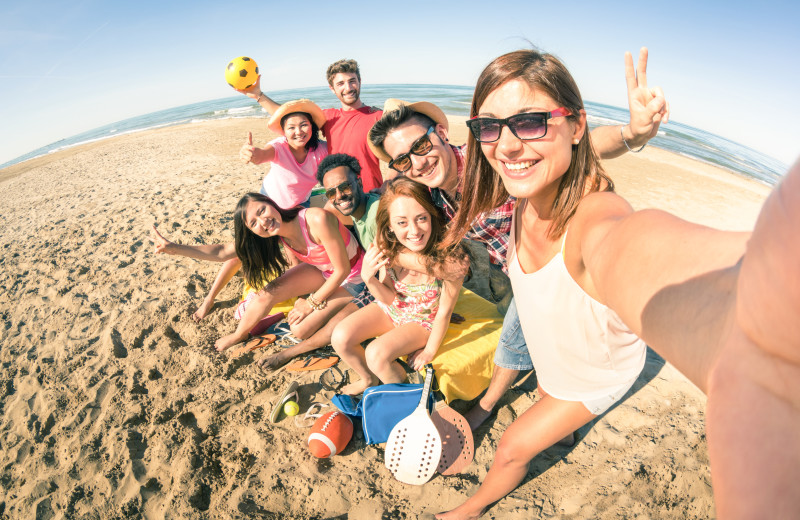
[(458, 447), (414, 446)]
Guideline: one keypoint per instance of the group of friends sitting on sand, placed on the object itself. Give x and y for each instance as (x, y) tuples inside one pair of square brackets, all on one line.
[(581, 279)]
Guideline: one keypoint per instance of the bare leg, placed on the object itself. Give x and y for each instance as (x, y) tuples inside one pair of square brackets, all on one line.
[(502, 379), (382, 353), (227, 271), (346, 340), (319, 339), (302, 279), (541, 426)]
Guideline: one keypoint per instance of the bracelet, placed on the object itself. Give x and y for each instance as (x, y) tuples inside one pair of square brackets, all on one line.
[(259, 97), (317, 306), (626, 142)]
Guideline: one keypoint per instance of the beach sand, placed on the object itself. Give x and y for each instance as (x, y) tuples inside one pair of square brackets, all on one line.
[(114, 406)]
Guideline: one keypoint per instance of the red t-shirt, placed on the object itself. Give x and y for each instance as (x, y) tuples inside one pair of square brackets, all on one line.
[(346, 132)]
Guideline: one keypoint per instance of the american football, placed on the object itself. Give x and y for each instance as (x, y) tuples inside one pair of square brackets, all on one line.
[(330, 434)]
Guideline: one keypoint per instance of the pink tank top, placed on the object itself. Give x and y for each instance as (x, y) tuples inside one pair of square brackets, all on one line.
[(318, 257), (581, 349)]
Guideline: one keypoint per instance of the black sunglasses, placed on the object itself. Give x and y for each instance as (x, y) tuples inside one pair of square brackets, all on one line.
[(527, 126), (345, 188), (422, 146)]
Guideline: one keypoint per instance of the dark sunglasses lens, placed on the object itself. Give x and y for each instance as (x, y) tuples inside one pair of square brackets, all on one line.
[(423, 146), (528, 126), (401, 164), (345, 189), (485, 130)]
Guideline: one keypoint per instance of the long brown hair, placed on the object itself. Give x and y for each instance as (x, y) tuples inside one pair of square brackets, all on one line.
[(262, 258), (386, 240), (483, 188)]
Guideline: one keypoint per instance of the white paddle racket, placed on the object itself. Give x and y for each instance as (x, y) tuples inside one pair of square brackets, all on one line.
[(414, 446)]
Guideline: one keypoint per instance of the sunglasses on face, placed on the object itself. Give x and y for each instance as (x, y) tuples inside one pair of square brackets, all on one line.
[(422, 146), (527, 126), (344, 188)]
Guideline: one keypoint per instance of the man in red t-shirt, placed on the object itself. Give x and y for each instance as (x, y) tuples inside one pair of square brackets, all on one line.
[(347, 127)]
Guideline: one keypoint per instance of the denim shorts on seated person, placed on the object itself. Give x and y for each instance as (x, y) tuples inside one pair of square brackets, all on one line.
[(354, 288), (512, 351)]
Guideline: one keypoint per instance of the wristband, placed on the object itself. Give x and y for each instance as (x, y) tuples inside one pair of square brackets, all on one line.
[(626, 142)]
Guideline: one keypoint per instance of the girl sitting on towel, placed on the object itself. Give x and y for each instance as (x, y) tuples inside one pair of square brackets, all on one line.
[(292, 176), (330, 263), (412, 309), (591, 277)]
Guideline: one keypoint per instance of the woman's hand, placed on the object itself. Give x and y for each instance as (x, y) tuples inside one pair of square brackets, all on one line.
[(374, 259), (254, 91), (299, 312), (247, 149), (161, 244), (421, 357)]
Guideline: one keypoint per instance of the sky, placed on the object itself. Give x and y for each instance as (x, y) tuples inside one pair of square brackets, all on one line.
[(731, 68)]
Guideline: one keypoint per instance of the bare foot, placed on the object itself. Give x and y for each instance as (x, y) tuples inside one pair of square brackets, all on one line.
[(356, 388), (226, 342), (476, 416), (274, 361), (203, 310)]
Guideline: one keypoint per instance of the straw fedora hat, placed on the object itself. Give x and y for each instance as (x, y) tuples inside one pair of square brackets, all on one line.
[(298, 105), (423, 107)]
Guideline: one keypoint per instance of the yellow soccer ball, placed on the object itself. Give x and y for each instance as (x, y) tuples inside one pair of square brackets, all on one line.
[(241, 73), (291, 408)]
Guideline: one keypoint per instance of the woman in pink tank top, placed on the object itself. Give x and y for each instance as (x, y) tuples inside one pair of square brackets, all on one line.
[(590, 274), (329, 271)]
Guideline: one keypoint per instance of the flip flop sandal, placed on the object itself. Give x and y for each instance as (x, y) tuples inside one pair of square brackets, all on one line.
[(333, 379), (317, 361), (254, 343), (289, 394), (313, 413)]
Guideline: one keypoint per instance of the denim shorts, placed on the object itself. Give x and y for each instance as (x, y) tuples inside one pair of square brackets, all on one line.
[(512, 351), (354, 288)]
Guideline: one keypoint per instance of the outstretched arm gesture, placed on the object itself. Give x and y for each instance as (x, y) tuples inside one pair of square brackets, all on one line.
[(254, 92)]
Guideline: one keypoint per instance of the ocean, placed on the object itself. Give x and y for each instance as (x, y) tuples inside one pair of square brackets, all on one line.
[(675, 137)]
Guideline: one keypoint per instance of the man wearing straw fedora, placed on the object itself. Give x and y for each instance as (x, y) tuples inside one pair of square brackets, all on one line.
[(413, 139), (346, 127)]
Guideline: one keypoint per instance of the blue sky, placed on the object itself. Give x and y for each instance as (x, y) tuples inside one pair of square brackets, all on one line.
[(731, 68)]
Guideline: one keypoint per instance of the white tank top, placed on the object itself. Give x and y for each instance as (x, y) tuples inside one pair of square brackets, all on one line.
[(581, 349)]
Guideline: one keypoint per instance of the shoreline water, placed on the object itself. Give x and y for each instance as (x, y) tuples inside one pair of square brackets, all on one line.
[(454, 100)]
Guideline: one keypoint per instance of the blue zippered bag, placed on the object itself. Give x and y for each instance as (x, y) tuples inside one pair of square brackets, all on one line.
[(382, 407)]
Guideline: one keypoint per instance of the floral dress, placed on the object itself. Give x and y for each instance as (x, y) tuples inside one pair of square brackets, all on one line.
[(414, 303)]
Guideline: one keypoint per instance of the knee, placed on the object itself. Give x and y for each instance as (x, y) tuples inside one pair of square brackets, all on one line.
[(375, 359), (509, 453), (340, 338)]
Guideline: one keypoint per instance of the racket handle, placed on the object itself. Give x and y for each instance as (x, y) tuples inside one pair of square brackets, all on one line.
[(426, 387)]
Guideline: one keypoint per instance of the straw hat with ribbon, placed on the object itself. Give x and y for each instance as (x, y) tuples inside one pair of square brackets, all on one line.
[(423, 107), (298, 105)]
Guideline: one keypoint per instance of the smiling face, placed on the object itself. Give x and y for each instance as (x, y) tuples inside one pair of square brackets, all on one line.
[(410, 223), (297, 129), (345, 201), (435, 169), (262, 218), (347, 87), (529, 168)]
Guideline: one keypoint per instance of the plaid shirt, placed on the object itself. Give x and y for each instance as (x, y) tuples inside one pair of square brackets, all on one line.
[(493, 228)]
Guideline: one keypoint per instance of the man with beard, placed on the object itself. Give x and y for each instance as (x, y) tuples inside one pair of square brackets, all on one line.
[(347, 127), (339, 175), (413, 139)]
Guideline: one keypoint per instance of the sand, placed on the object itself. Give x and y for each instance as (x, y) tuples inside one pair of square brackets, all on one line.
[(114, 406)]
